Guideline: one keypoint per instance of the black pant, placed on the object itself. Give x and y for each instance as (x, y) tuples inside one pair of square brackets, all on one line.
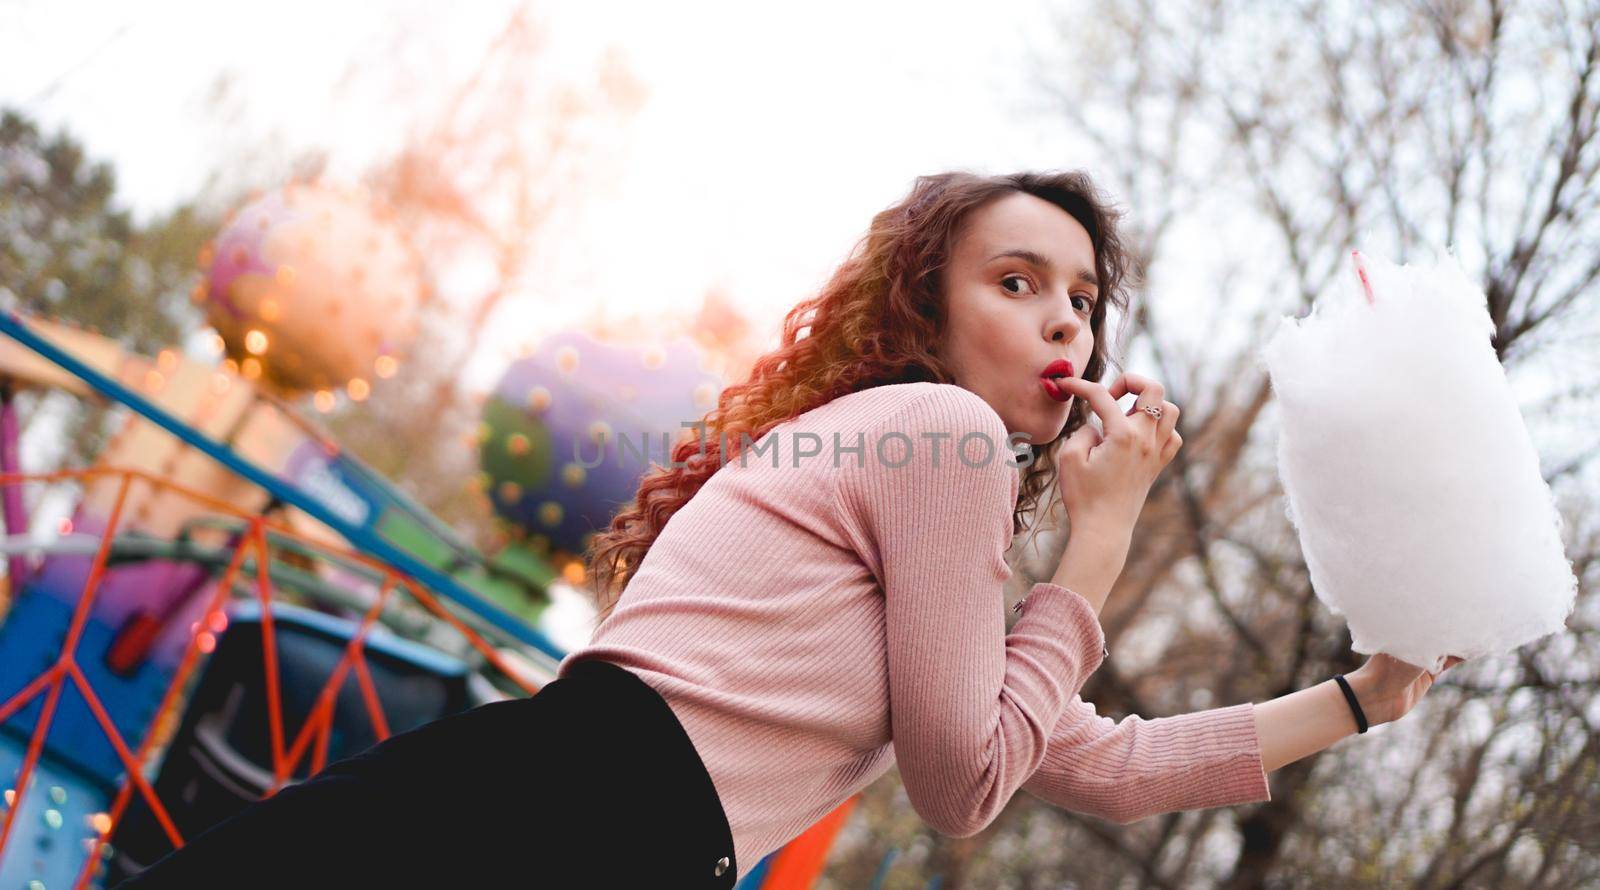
[(590, 783)]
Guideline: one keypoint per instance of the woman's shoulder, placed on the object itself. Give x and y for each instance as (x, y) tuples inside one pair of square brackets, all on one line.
[(902, 429), (929, 448), (939, 405), (928, 430)]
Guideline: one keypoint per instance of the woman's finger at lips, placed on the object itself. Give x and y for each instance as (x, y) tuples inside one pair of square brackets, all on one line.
[(1099, 400), (1138, 383)]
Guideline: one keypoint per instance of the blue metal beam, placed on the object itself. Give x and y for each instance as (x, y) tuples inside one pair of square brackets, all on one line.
[(12, 325)]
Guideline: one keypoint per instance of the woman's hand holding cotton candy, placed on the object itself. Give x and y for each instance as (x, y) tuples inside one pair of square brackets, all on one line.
[(1104, 479), (1388, 687)]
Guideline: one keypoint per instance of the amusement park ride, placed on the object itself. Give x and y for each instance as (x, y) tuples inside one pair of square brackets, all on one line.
[(235, 600)]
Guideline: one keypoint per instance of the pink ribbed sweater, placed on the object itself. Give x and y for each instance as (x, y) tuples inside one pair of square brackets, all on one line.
[(816, 622)]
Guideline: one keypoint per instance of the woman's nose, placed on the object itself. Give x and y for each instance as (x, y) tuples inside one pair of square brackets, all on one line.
[(1064, 330)]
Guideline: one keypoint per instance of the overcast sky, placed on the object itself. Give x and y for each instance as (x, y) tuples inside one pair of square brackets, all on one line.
[(768, 139)]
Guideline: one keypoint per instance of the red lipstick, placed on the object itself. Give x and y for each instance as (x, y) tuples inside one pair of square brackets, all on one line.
[(1057, 368)]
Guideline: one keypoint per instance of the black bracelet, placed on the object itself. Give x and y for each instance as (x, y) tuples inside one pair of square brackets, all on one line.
[(1355, 706)]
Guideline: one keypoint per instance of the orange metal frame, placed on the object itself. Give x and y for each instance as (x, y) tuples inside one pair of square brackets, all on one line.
[(318, 723)]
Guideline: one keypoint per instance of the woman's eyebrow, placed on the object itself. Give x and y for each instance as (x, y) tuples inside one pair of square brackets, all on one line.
[(1085, 276)]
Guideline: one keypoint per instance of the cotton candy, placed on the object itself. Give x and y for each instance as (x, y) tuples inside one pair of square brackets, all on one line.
[(1410, 477)]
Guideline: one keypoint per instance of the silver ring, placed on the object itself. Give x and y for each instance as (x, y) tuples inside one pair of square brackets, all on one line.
[(1153, 411)]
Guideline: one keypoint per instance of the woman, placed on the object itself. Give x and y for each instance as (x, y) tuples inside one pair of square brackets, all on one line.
[(811, 593)]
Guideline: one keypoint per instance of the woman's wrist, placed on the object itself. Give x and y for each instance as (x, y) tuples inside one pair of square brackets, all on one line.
[(1373, 705), (1091, 564), (1305, 722)]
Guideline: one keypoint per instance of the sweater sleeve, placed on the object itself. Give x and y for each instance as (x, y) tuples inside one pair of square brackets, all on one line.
[(1128, 770), (971, 706)]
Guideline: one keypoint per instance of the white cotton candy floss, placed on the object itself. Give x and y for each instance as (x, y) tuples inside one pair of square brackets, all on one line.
[(1410, 476)]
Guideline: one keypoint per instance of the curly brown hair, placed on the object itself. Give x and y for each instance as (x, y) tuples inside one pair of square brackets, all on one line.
[(878, 321)]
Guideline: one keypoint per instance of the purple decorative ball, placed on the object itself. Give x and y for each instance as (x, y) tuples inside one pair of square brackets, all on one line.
[(569, 431)]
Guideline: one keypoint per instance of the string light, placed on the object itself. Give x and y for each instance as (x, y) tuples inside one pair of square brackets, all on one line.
[(573, 573), (573, 475), (550, 513), (255, 341)]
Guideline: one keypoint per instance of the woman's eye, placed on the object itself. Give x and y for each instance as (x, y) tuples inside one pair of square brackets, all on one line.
[(1088, 303), (1012, 278)]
